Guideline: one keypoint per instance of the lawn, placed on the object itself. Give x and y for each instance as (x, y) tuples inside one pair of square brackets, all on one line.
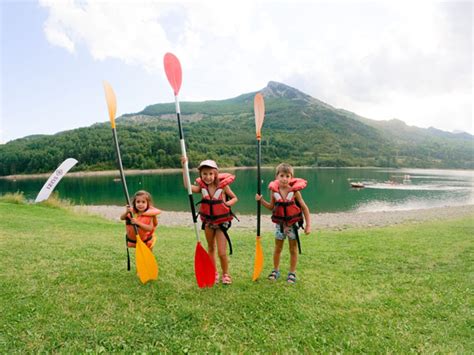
[(65, 288)]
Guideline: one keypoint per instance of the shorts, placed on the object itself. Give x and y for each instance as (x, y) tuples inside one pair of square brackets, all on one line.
[(288, 231), (225, 225)]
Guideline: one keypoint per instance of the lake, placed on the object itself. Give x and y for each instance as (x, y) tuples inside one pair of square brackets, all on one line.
[(328, 190)]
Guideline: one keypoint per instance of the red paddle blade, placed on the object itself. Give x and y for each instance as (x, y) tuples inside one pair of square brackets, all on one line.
[(173, 71), (259, 108), (203, 267)]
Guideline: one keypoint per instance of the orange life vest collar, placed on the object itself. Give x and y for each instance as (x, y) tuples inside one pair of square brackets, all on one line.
[(296, 184)]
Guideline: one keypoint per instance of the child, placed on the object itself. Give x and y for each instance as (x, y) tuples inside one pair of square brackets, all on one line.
[(215, 213), (144, 216), (286, 204)]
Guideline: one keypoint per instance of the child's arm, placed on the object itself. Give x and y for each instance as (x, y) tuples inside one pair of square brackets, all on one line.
[(194, 188), (128, 211), (151, 212), (305, 209), (146, 227), (267, 205), (233, 199)]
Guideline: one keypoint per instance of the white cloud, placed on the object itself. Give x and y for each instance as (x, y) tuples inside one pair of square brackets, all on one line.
[(380, 59)]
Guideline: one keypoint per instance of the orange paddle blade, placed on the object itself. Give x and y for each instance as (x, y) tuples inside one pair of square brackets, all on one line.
[(259, 108), (204, 267), (147, 267), (173, 71), (258, 264), (111, 102)]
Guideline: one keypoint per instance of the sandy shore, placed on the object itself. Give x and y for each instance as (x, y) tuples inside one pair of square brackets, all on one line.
[(337, 221)]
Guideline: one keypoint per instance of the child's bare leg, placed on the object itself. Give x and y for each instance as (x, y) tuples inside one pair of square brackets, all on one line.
[(293, 254), (211, 243), (277, 253), (222, 251)]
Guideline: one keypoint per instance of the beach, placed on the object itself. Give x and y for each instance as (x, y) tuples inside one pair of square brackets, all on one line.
[(331, 221)]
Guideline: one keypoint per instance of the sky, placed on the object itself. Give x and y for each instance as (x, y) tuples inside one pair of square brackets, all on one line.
[(410, 60)]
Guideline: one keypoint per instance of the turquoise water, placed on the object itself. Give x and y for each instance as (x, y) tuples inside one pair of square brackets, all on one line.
[(328, 190)]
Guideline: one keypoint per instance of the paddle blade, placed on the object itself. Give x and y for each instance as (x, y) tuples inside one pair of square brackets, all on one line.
[(203, 267), (259, 109), (173, 71), (258, 264), (147, 267), (111, 102)]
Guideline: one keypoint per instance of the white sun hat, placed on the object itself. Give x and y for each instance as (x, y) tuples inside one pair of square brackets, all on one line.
[(208, 163)]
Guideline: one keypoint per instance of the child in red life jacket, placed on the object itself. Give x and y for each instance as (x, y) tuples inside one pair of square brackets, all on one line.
[(215, 213), (144, 216), (288, 208)]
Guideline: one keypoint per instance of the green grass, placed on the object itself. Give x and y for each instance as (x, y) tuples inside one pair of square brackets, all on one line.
[(65, 289)]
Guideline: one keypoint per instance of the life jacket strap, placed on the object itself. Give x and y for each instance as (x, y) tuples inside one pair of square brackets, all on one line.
[(210, 202), (226, 234), (131, 241), (295, 228), (287, 218), (284, 203), (128, 253), (215, 217)]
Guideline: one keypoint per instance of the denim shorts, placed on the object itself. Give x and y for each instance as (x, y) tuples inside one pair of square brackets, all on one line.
[(288, 231)]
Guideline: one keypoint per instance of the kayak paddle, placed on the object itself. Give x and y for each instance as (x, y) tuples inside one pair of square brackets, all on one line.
[(147, 267), (259, 109), (204, 268)]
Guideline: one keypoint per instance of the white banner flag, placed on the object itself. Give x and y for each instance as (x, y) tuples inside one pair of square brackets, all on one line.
[(55, 178)]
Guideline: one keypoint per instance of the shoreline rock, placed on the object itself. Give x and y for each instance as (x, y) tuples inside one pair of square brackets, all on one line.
[(331, 221)]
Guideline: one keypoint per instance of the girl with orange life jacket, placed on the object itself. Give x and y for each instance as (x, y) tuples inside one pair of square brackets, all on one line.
[(215, 212), (144, 216), (288, 208)]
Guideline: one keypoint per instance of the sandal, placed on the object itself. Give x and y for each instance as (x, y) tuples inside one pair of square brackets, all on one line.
[(291, 279), (216, 280), (226, 280), (274, 275)]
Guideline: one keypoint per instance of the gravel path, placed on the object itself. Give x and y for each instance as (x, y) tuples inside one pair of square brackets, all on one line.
[(336, 221)]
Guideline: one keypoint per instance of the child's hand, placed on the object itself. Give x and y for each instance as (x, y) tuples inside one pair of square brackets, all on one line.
[(258, 197), (133, 220), (307, 229), (183, 160)]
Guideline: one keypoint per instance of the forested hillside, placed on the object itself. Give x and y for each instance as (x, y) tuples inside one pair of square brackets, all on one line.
[(297, 128)]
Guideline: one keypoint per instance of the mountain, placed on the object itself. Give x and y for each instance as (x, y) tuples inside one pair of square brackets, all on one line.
[(298, 128)]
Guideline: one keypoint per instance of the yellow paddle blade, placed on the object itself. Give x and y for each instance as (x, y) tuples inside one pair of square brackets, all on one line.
[(147, 267), (258, 265), (259, 109), (111, 102)]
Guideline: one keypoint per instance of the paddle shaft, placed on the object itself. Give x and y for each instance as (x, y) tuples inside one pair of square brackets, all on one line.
[(122, 174), (186, 167), (259, 183)]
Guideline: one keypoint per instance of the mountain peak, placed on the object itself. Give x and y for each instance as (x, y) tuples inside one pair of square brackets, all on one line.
[(277, 90)]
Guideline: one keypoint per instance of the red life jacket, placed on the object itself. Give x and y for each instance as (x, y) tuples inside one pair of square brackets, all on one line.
[(147, 237), (213, 210), (286, 211)]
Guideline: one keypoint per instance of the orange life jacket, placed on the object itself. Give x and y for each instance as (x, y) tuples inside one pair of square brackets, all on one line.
[(213, 209), (286, 211), (148, 237)]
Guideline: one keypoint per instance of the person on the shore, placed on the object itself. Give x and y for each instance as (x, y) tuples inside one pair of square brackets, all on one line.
[(215, 212), (288, 208), (143, 215)]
